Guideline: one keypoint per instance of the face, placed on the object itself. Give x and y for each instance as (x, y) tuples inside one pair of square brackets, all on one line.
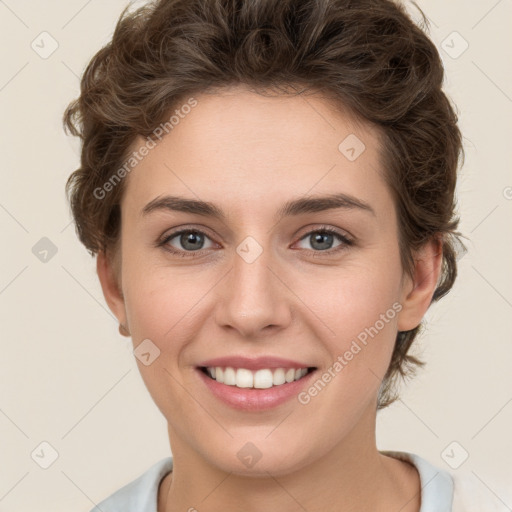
[(261, 281)]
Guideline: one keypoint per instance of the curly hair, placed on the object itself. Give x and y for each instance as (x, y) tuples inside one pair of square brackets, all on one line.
[(369, 56)]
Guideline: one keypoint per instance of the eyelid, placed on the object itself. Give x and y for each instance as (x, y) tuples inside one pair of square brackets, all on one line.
[(186, 227), (329, 229)]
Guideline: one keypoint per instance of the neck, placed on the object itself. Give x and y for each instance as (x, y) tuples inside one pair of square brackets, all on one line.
[(352, 475)]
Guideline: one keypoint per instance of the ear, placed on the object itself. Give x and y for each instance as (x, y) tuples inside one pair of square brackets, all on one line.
[(109, 276), (417, 295)]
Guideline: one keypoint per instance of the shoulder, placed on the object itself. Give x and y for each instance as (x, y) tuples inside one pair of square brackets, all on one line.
[(445, 491), (436, 484), (471, 494), (139, 495)]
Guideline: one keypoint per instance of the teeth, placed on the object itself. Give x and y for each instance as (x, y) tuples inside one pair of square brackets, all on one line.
[(263, 379), (260, 379), (290, 375), (278, 377), (244, 378), (229, 376)]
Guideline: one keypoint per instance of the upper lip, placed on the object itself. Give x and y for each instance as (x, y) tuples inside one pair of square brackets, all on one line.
[(256, 363)]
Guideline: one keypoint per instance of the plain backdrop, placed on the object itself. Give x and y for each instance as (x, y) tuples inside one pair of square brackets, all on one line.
[(70, 389)]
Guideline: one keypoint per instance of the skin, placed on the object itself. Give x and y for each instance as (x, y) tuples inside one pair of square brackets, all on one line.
[(249, 154)]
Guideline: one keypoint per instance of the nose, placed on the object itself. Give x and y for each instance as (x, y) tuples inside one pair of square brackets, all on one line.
[(254, 299)]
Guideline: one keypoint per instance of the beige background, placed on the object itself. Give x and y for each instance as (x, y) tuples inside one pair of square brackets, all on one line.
[(69, 379)]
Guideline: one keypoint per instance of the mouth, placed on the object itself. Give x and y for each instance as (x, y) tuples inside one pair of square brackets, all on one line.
[(263, 378)]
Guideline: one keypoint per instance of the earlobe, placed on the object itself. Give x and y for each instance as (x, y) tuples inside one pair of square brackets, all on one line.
[(417, 296), (111, 287)]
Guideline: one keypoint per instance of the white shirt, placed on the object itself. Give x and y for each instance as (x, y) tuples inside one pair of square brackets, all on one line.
[(440, 490)]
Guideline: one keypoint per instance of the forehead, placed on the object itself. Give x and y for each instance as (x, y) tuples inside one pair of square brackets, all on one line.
[(247, 150)]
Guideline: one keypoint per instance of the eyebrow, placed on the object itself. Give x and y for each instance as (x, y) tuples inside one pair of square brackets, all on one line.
[(294, 207)]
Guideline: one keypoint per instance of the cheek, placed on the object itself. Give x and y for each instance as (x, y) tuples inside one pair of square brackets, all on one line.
[(160, 302), (162, 308), (356, 312), (349, 299)]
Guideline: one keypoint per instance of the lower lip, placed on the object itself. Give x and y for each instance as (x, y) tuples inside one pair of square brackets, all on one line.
[(250, 399)]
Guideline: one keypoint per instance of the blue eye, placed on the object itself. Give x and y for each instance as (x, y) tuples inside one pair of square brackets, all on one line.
[(324, 237), (192, 242)]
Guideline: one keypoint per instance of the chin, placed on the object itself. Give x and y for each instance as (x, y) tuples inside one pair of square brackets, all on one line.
[(259, 457)]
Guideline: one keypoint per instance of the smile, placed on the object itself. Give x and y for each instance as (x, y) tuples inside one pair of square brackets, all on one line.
[(261, 379), (254, 390)]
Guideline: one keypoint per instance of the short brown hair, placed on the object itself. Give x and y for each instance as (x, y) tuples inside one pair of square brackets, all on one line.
[(368, 55)]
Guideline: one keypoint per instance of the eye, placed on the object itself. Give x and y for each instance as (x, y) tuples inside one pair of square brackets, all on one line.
[(322, 239), (188, 240)]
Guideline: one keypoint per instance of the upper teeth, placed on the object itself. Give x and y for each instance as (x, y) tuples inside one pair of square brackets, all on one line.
[(259, 379)]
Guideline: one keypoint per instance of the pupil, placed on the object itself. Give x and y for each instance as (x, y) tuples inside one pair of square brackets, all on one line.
[(323, 236), (190, 238)]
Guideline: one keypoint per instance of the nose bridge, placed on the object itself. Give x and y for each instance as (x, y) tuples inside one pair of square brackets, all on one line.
[(253, 297)]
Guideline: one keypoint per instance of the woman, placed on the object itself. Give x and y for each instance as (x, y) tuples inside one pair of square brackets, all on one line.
[(268, 186)]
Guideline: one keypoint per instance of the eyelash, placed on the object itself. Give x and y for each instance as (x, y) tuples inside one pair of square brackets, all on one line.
[(346, 242)]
